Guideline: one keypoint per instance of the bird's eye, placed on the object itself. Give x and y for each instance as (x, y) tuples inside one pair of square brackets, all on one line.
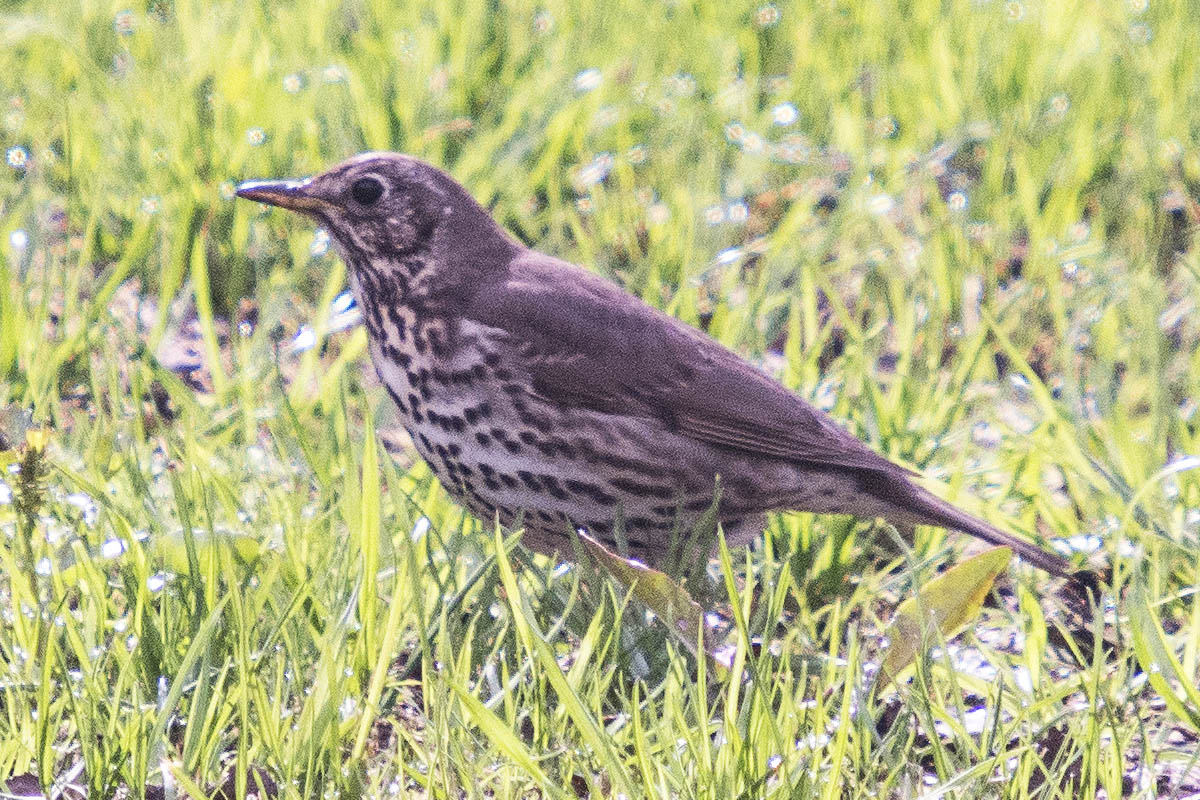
[(366, 191)]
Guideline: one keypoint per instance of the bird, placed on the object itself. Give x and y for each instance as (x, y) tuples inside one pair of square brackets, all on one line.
[(545, 396)]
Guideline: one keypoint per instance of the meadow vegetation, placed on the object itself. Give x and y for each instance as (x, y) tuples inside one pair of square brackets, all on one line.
[(965, 228)]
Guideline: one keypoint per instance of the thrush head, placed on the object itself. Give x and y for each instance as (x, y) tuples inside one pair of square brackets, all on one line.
[(378, 204), (385, 210)]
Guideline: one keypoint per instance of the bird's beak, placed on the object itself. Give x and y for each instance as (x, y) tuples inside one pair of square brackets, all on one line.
[(292, 195)]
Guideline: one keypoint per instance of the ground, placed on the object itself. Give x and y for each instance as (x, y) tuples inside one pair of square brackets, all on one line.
[(966, 229)]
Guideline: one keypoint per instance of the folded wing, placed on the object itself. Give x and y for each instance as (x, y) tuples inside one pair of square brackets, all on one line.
[(591, 345)]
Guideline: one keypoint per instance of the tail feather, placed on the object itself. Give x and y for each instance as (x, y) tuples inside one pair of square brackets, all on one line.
[(922, 507)]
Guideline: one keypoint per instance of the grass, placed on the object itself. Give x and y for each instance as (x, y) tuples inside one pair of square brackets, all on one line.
[(968, 229)]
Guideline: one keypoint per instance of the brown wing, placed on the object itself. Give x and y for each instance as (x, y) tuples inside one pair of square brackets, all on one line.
[(590, 344)]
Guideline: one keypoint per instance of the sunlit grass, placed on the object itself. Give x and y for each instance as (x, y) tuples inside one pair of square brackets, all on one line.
[(967, 229)]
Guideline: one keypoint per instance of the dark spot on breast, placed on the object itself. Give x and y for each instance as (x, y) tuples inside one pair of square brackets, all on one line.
[(638, 489), (508, 480), (646, 523), (554, 487), (501, 436), (398, 321), (593, 455), (436, 342), (590, 490), (527, 478), (491, 358), (373, 326), (483, 439), (527, 437), (396, 399)]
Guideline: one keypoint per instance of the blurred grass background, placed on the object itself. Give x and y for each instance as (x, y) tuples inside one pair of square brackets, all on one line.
[(966, 228)]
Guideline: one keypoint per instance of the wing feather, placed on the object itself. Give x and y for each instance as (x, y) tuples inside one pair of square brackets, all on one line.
[(589, 344)]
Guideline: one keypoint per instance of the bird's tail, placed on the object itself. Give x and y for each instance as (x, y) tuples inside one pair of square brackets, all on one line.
[(922, 507)]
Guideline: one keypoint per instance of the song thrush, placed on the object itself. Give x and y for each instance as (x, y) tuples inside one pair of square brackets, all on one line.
[(543, 393)]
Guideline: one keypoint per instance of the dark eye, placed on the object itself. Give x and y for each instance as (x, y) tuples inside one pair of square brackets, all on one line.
[(366, 191)]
